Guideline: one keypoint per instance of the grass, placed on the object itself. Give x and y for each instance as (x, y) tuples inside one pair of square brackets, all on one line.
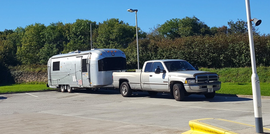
[(17, 88), (243, 88), (240, 75), (226, 88)]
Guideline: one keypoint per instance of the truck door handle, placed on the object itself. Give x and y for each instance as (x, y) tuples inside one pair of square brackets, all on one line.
[(150, 75)]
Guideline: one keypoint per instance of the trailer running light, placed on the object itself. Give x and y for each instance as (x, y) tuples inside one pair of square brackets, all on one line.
[(114, 51)]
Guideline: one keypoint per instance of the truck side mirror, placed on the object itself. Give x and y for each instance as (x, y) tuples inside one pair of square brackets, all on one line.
[(157, 71), (164, 71)]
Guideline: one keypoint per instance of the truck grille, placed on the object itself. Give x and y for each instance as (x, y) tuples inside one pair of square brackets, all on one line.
[(206, 78)]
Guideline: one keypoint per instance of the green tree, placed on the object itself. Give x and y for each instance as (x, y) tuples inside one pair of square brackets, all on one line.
[(116, 34), (32, 42), (176, 28), (54, 38), (9, 41), (237, 27), (79, 35)]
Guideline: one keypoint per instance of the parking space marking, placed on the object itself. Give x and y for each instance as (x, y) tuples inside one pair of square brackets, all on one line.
[(31, 95)]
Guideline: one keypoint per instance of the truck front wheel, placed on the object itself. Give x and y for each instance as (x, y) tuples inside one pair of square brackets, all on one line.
[(125, 89), (178, 92)]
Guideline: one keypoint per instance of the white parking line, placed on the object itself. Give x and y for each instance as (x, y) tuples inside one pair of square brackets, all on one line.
[(31, 94)]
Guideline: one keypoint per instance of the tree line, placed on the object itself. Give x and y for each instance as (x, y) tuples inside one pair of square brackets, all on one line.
[(187, 38)]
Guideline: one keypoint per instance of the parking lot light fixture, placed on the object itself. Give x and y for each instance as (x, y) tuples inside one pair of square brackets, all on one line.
[(137, 40)]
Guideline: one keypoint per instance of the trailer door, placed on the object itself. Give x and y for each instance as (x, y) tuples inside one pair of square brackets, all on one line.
[(78, 71), (85, 75)]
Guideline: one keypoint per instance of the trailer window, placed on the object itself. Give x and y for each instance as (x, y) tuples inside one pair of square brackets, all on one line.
[(84, 65), (112, 63), (56, 66)]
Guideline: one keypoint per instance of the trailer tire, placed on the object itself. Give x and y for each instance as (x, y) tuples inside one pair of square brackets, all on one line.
[(62, 88), (125, 89), (69, 90), (178, 92)]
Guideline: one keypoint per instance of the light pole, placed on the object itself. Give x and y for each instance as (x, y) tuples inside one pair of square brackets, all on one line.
[(136, 10), (91, 36), (254, 77)]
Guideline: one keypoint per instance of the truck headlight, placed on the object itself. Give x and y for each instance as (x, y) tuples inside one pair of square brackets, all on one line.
[(190, 81)]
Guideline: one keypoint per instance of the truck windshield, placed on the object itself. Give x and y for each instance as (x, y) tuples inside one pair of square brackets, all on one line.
[(112, 63), (173, 66)]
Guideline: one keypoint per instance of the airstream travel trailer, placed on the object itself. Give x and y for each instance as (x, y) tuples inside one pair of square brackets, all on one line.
[(84, 69)]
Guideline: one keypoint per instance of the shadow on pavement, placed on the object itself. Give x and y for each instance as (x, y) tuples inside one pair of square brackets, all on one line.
[(2, 97), (98, 91), (190, 98)]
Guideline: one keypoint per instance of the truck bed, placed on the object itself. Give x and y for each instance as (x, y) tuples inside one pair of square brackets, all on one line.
[(132, 77)]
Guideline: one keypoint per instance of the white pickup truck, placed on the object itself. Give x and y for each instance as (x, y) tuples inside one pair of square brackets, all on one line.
[(174, 75)]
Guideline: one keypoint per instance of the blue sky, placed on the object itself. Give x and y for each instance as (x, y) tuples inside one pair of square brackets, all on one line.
[(20, 13)]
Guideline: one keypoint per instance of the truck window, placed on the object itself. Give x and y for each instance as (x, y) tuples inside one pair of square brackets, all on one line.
[(112, 63), (178, 66), (56, 66), (84, 65), (148, 67), (155, 65)]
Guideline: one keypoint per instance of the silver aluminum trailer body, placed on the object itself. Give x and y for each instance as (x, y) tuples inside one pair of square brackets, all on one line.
[(85, 69)]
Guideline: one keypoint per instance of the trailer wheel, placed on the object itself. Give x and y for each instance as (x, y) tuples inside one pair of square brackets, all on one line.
[(178, 92), (62, 88), (69, 89), (125, 89), (210, 95)]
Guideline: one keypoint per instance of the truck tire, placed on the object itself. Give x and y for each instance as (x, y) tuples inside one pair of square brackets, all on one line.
[(125, 89), (210, 95), (152, 93), (178, 92), (62, 88)]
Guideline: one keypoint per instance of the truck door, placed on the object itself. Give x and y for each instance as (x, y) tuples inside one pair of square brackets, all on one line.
[(158, 81)]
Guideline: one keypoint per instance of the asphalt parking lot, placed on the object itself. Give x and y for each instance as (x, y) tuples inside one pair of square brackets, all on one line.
[(106, 111)]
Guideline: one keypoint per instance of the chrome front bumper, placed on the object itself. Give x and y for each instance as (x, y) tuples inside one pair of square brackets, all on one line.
[(202, 88)]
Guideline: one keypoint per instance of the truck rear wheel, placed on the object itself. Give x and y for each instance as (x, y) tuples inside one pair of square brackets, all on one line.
[(178, 92), (125, 89), (210, 95)]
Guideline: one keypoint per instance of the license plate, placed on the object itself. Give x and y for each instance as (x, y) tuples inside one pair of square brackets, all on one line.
[(210, 88)]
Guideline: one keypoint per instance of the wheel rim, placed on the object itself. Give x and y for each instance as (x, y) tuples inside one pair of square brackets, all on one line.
[(124, 89)]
